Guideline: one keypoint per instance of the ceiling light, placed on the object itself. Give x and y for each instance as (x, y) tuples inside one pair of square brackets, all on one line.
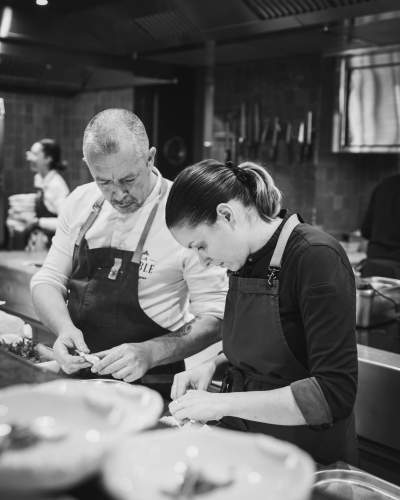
[(42, 2), (5, 24)]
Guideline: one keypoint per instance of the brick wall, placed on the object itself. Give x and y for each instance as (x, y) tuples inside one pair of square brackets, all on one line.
[(30, 117), (336, 186)]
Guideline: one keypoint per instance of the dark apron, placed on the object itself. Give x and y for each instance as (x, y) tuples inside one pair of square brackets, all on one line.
[(260, 359), (103, 298), (40, 207), (42, 211)]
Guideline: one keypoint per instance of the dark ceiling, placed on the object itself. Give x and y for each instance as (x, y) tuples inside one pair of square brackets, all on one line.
[(72, 42)]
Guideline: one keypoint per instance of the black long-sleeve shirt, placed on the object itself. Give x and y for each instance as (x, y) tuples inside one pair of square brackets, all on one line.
[(317, 308), (381, 225)]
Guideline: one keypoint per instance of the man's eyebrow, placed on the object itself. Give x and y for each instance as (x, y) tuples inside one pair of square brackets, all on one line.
[(102, 179), (128, 176)]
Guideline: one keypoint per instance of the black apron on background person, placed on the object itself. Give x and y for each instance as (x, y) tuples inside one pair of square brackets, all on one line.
[(103, 299), (40, 207), (42, 211), (260, 359)]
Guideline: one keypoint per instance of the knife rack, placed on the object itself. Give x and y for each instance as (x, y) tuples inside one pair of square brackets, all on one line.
[(248, 133)]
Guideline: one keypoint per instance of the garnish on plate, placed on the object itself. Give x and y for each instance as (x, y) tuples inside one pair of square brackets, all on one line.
[(192, 482), (25, 347)]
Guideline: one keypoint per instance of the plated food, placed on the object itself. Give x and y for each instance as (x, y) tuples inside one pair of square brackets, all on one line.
[(70, 425), (215, 464), (21, 346)]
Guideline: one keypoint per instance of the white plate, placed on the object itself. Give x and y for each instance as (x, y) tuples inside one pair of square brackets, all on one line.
[(261, 467), (94, 417)]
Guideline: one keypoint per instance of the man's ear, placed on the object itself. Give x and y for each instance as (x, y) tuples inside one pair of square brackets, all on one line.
[(152, 155), (225, 213)]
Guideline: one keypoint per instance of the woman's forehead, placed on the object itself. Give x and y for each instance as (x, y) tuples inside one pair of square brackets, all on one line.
[(36, 147), (190, 233)]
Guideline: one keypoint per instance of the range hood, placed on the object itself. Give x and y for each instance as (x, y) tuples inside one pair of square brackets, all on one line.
[(367, 118)]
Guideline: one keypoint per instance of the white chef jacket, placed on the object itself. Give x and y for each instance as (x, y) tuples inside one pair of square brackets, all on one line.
[(55, 190), (173, 285)]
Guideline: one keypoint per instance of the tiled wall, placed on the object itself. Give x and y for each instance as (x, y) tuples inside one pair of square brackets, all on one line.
[(335, 187), (285, 89), (30, 117)]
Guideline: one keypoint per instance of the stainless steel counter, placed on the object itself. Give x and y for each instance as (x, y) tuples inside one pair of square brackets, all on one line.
[(378, 401)]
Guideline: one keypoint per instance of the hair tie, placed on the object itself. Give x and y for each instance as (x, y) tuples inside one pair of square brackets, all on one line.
[(240, 174)]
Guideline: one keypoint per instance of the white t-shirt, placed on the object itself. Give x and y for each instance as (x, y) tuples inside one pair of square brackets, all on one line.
[(173, 285), (55, 190)]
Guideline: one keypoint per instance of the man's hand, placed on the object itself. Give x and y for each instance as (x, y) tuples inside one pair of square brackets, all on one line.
[(126, 362), (69, 339), (197, 378), (201, 406)]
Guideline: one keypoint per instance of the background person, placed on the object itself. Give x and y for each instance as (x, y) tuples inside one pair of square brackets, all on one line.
[(36, 215), (135, 297), (289, 324), (381, 227)]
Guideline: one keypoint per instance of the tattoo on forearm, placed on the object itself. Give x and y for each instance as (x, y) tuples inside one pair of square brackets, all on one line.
[(183, 331)]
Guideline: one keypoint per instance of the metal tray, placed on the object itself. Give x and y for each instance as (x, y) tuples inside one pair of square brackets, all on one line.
[(355, 485)]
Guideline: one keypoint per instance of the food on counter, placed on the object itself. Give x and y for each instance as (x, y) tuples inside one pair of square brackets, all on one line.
[(90, 358), (24, 347)]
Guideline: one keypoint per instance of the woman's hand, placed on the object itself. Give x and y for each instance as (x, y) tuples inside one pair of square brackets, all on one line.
[(197, 378), (201, 406)]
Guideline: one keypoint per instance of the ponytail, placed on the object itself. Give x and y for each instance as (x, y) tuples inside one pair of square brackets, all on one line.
[(52, 149), (267, 197), (200, 188)]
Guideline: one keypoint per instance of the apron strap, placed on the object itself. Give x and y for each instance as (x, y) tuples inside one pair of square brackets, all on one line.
[(90, 220), (137, 255), (287, 230)]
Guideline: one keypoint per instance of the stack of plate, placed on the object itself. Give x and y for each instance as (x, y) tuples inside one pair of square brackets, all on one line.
[(21, 209)]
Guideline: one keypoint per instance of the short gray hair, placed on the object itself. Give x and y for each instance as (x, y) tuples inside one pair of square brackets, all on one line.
[(106, 129)]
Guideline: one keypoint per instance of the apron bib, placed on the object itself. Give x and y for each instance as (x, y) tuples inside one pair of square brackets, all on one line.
[(260, 359), (40, 207), (103, 298)]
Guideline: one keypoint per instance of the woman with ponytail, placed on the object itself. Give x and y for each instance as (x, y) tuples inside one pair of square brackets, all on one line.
[(45, 160), (289, 326), (32, 218)]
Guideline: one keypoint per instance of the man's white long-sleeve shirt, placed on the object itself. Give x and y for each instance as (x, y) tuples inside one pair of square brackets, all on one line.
[(173, 285)]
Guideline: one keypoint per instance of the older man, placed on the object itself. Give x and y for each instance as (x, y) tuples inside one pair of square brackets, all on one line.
[(115, 282)]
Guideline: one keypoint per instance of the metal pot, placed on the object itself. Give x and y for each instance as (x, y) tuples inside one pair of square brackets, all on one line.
[(378, 301)]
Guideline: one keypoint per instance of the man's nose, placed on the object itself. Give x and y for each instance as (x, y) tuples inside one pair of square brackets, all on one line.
[(118, 192)]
